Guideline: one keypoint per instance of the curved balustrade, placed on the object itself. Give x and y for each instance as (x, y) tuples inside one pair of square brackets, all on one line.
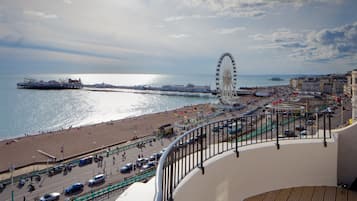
[(192, 149)]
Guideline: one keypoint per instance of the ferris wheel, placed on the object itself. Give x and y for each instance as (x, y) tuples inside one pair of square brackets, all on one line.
[(226, 77)]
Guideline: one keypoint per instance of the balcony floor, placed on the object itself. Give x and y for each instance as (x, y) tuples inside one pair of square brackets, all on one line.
[(320, 193)]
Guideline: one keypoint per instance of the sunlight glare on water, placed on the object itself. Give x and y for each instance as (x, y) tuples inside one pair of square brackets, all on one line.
[(33, 111)]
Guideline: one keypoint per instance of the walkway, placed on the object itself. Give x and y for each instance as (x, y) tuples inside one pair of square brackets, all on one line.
[(321, 193)]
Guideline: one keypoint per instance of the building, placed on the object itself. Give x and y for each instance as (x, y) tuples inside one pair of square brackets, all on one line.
[(296, 83), (354, 94), (329, 84), (311, 84), (347, 88)]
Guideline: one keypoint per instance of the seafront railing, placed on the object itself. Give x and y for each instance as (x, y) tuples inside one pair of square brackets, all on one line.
[(193, 148)]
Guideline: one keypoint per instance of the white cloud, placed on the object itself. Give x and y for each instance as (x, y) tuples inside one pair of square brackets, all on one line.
[(246, 8), (230, 30), (324, 45), (328, 44), (281, 36), (67, 1), (40, 14), (155, 30), (179, 36), (184, 17)]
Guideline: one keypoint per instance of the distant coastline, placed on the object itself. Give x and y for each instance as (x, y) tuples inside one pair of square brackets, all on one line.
[(31, 112)]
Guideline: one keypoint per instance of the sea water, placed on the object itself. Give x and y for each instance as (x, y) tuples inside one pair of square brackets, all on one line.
[(35, 111)]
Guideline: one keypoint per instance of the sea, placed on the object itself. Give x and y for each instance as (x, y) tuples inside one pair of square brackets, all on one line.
[(27, 112)]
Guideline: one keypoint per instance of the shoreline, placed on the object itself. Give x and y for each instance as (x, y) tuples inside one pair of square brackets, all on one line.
[(26, 150), (22, 135), (84, 139)]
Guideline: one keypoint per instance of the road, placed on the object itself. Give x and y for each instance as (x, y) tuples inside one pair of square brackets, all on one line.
[(58, 183)]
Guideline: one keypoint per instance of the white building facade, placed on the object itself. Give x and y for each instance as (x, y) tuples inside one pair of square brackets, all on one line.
[(354, 95)]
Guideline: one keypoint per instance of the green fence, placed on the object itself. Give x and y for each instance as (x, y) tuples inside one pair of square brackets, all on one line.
[(76, 161), (265, 128), (111, 188)]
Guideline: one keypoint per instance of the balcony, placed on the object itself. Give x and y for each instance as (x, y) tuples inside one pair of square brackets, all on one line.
[(240, 158)]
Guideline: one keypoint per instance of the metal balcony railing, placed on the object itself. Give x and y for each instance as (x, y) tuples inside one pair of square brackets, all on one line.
[(192, 149)]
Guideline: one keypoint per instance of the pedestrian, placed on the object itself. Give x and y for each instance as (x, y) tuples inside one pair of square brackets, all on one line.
[(24, 198)]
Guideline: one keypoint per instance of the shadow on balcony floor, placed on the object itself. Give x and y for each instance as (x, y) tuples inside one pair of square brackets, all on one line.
[(321, 193)]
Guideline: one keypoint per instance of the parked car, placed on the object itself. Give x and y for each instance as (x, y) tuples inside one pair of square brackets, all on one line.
[(50, 196), (299, 128), (309, 122), (147, 166), (192, 140), (100, 178), (36, 177), (85, 161), (182, 144), (55, 170), (141, 161), (155, 156), (76, 187), (303, 132), (203, 135), (21, 183), (289, 133), (127, 168), (2, 186)]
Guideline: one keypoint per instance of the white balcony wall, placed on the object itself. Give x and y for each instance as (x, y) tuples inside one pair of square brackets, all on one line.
[(261, 168)]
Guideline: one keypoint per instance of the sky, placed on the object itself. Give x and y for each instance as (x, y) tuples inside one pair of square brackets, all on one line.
[(177, 36)]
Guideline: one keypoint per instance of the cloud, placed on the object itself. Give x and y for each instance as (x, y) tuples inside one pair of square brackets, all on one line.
[(54, 48), (324, 45), (328, 44), (231, 8), (177, 36), (247, 8), (183, 17), (230, 30), (243, 13), (40, 14), (67, 1), (282, 38)]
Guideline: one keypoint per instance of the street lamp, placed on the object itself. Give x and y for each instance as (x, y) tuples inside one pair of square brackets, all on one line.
[(34, 160), (342, 110), (12, 168)]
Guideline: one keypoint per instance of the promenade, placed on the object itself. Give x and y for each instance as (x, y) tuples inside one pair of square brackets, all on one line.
[(64, 144)]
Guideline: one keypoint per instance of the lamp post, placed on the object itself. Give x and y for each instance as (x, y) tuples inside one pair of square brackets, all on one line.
[(34, 160), (12, 181), (341, 110)]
